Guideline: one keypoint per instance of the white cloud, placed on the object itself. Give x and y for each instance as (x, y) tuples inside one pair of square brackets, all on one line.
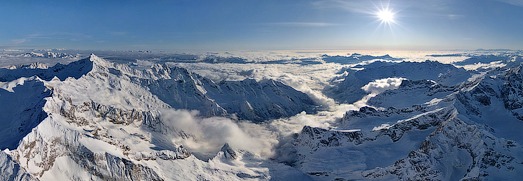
[(351, 6), (54, 36), (381, 85), (309, 79), (208, 135), (19, 41), (513, 2)]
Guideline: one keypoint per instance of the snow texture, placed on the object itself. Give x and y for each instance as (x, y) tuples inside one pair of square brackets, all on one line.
[(237, 117)]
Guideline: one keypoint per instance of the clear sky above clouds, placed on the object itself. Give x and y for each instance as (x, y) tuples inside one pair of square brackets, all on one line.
[(261, 24)]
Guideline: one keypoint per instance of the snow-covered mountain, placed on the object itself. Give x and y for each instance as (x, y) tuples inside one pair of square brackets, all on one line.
[(74, 70), (248, 99), (48, 55), (98, 120), (355, 58), (11, 170), (468, 131), (21, 102), (347, 88), (412, 92)]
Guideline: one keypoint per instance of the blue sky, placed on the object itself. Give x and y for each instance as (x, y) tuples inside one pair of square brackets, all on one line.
[(261, 24)]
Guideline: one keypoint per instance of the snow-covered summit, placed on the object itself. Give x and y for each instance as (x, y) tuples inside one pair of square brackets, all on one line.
[(437, 132), (96, 119), (48, 55), (102, 120), (348, 88), (74, 69)]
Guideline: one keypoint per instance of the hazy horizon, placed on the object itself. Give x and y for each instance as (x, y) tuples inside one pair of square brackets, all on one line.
[(263, 25)]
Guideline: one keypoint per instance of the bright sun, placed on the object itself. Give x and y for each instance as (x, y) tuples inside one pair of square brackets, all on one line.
[(385, 16)]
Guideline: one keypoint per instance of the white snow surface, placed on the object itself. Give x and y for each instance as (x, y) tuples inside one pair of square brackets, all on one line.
[(94, 119)]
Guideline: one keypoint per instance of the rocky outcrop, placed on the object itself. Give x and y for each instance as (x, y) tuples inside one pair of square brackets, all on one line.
[(472, 152), (11, 171), (228, 152)]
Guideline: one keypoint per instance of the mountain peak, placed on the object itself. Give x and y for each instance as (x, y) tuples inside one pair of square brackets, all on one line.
[(93, 56), (100, 62), (228, 152), (96, 59)]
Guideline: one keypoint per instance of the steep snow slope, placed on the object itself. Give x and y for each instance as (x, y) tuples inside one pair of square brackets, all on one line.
[(412, 93), (469, 132), (74, 70), (347, 88), (180, 89), (252, 100), (271, 99), (21, 103), (11, 171), (109, 125), (496, 101), (99, 120)]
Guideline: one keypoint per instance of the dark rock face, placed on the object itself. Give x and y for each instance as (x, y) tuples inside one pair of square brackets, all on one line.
[(228, 152), (504, 84), (315, 138), (11, 171), (512, 89)]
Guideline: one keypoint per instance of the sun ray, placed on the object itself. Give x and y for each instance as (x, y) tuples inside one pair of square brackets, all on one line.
[(385, 15)]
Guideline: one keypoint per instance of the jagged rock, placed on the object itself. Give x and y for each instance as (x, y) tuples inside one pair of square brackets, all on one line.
[(228, 152), (11, 171)]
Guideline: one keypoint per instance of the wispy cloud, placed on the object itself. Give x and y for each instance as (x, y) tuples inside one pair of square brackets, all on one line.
[(49, 37), (512, 2), (19, 41), (455, 16), (351, 6), (301, 24), (118, 33), (434, 7)]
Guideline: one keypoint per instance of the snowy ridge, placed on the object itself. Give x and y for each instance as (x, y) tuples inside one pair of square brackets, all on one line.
[(412, 93), (123, 131), (21, 103), (48, 55), (44, 151), (98, 120), (182, 89), (469, 133), (11, 171), (443, 148), (74, 70), (454, 151), (355, 58), (348, 88)]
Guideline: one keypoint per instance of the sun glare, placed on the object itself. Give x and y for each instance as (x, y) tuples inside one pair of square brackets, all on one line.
[(385, 16)]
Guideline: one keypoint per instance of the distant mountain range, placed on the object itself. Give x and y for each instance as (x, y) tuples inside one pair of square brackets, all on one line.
[(95, 119)]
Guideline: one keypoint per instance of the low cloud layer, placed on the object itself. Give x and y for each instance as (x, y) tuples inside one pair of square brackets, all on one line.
[(382, 85), (208, 135)]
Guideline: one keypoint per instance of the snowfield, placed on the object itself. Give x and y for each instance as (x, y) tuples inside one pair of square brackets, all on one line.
[(73, 115)]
